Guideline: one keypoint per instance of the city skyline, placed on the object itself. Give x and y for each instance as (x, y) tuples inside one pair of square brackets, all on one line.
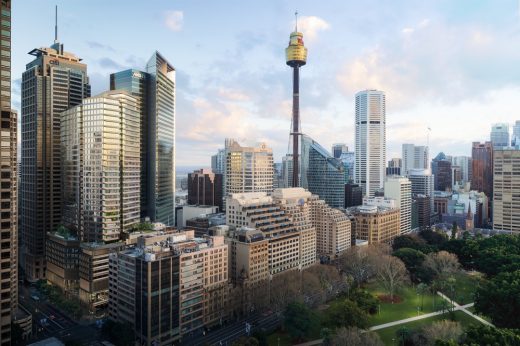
[(347, 56)]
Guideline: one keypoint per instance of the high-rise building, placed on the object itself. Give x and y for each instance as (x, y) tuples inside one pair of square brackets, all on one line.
[(422, 182), (338, 149), (441, 169), (348, 159), (287, 171), (482, 170), (296, 57), (218, 162), (456, 176), (506, 186), (322, 174), (414, 157), (499, 135), (205, 188), (424, 211), (394, 167), (370, 140), (353, 195), (101, 196), (155, 90), (9, 186), (515, 138), (464, 162), (248, 169), (400, 189), (169, 286), (53, 82)]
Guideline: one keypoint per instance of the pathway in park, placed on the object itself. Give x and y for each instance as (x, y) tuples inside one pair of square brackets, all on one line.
[(463, 308)]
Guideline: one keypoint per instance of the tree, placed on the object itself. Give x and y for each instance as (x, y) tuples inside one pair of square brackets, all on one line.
[(364, 300), (485, 335), (413, 260), (120, 334), (403, 335), (454, 229), (285, 288), (442, 264), (499, 299), (422, 288), (353, 336), (361, 262), (246, 341), (300, 320), (391, 274), (410, 241), (345, 313), (433, 238), (442, 330)]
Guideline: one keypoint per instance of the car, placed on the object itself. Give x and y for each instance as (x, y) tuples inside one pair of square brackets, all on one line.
[(52, 317), (35, 298)]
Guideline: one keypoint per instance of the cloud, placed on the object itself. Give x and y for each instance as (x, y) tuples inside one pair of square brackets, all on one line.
[(108, 63), (98, 45), (310, 27), (232, 94), (174, 20)]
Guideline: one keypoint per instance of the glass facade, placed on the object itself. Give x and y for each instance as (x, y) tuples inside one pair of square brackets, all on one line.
[(322, 174)]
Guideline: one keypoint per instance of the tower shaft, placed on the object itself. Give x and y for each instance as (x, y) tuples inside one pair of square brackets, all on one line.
[(296, 124)]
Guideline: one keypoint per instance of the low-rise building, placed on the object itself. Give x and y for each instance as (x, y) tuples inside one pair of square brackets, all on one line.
[(376, 221)]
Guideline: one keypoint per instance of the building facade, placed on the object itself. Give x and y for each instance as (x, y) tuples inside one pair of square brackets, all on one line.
[(376, 221), (442, 173), (370, 124), (338, 149), (499, 135), (400, 189), (414, 157), (482, 170), (506, 187), (205, 188), (53, 82), (353, 195)]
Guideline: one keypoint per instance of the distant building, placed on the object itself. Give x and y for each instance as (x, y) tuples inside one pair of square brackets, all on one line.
[(394, 167), (441, 169), (482, 169), (287, 171), (338, 149), (465, 163), (322, 174), (423, 205), (370, 125), (348, 159), (202, 224), (205, 188), (506, 183), (515, 139), (353, 195), (188, 212), (400, 189), (499, 135), (414, 157)]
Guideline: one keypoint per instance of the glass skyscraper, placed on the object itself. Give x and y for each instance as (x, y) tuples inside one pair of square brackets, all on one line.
[(322, 174), (155, 89)]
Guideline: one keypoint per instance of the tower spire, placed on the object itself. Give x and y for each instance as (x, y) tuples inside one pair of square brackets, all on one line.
[(296, 21), (56, 25)]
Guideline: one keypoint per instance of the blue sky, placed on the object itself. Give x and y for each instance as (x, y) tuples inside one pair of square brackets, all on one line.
[(450, 65)]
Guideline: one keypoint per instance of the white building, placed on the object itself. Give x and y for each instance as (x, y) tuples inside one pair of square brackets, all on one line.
[(414, 157), (370, 167), (400, 189)]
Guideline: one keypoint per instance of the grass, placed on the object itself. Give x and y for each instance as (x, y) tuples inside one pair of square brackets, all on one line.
[(407, 308), (464, 288), (283, 338), (389, 333)]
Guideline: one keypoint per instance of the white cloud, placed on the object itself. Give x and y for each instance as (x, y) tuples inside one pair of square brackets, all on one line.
[(310, 26), (174, 20)]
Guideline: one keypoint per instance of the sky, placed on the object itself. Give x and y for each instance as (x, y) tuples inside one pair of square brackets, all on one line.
[(452, 66)]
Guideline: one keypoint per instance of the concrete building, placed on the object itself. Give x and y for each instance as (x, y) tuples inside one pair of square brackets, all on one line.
[(414, 157), (506, 187), (322, 174), (101, 197), (370, 124), (169, 286), (62, 255), (205, 188), (8, 186), (376, 221), (353, 195), (53, 82), (202, 224), (499, 135), (400, 189), (482, 169), (154, 89), (188, 212), (465, 164), (423, 204), (248, 169), (287, 171)]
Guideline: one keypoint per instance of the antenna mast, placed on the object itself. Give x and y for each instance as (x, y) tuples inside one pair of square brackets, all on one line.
[(56, 25)]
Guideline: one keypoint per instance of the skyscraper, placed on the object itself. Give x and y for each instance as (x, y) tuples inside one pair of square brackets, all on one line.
[(296, 56), (338, 149), (499, 135), (394, 166), (482, 170), (322, 174), (506, 182), (370, 140), (248, 169), (441, 169), (464, 162), (107, 202), (155, 90), (400, 189), (205, 188), (414, 157), (53, 82), (515, 138), (9, 186)]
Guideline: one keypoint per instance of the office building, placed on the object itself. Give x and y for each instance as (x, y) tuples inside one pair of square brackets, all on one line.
[(394, 167), (348, 159), (506, 186), (101, 197), (306, 210), (203, 223), (287, 171), (205, 188), (414, 157), (376, 221), (155, 90), (9, 186), (218, 162), (464, 163), (442, 173), (62, 254), (423, 211), (400, 189), (370, 124), (482, 170), (515, 138), (338, 149), (248, 169), (353, 195), (499, 135), (169, 288), (52, 83), (322, 174), (188, 212)]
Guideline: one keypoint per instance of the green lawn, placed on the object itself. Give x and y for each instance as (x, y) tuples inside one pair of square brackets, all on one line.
[(407, 308), (464, 288), (279, 338), (389, 333)]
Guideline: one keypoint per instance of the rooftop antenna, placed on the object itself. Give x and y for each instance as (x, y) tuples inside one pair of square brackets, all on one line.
[(56, 25), (296, 22)]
